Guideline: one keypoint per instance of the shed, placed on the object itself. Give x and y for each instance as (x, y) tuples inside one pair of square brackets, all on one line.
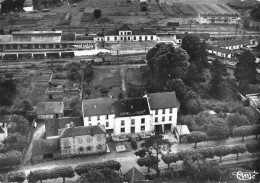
[(182, 132)]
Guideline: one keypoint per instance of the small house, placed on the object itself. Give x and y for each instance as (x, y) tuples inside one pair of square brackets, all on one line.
[(182, 133), (46, 110)]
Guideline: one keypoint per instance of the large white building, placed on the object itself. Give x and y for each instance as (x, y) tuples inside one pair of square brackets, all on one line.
[(125, 33), (154, 112), (163, 108), (218, 18)]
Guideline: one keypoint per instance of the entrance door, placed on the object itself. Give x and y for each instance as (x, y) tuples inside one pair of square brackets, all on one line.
[(158, 129), (167, 128), (132, 129)]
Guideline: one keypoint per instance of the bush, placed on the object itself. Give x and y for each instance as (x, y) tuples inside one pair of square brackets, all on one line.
[(144, 8), (16, 176), (134, 144), (10, 158), (97, 13)]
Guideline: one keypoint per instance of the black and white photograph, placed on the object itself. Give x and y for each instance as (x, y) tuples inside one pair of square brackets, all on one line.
[(129, 91)]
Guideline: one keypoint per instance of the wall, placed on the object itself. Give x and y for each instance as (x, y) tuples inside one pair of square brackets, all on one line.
[(84, 142), (127, 124), (102, 120), (167, 114)]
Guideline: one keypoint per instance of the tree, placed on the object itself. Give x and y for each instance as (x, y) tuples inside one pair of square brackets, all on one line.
[(39, 175), (15, 141), (170, 158), (221, 151), (148, 161), (97, 13), (256, 130), (236, 120), (242, 131), (144, 8), (11, 158), (197, 136), (155, 144), (73, 71), (246, 67), (16, 176), (167, 62), (218, 70), (207, 152), (63, 172), (196, 50), (19, 124), (8, 90), (141, 153), (178, 86), (191, 103), (237, 149), (75, 106), (216, 127), (88, 73), (255, 13), (252, 147)]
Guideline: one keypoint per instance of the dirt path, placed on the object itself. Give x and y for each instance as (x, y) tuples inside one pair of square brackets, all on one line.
[(123, 81), (38, 133)]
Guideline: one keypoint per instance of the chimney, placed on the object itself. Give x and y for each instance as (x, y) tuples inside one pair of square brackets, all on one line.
[(67, 125)]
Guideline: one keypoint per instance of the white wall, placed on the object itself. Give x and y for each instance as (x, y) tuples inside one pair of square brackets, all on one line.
[(127, 124), (167, 115), (102, 120)]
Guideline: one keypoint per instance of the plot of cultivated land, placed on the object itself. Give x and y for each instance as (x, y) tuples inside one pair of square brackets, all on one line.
[(105, 77), (134, 76)]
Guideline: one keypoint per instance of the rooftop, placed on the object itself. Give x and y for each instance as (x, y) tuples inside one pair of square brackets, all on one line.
[(143, 32), (53, 125), (163, 100), (112, 32), (131, 107), (37, 32), (124, 27), (97, 107), (182, 129), (45, 108), (222, 50), (134, 175), (81, 130), (46, 146)]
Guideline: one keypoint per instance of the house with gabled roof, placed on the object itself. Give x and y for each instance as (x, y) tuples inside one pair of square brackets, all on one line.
[(46, 110), (164, 109), (82, 140), (134, 176), (126, 33), (221, 52), (132, 115), (99, 111)]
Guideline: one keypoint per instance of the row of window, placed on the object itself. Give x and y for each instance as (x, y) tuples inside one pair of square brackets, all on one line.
[(98, 118), (129, 38), (30, 46), (163, 119), (37, 35), (132, 129), (132, 121), (125, 33), (163, 111)]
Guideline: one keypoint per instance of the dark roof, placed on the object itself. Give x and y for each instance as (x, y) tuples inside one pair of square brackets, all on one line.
[(112, 32), (201, 36), (68, 37), (53, 125), (142, 32), (125, 27), (234, 43), (180, 36), (84, 37), (162, 100), (100, 34), (46, 146), (97, 107), (131, 107), (44, 108), (134, 175), (82, 130)]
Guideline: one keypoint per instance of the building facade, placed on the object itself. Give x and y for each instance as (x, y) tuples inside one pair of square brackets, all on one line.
[(82, 140), (164, 109), (210, 18), (125, 33), (221, 52)]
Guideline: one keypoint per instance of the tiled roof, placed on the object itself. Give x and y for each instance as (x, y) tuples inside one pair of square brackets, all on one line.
[(125, 27), (131, 107), (112, 32), (142, 32), (97, 107), (163, 100), (44, 108), (84, 37), (53, 125), (134, 175), (81, 130), (46, 146), (68, 37)]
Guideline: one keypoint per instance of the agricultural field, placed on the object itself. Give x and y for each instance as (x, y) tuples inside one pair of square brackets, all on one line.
[(184, 9)]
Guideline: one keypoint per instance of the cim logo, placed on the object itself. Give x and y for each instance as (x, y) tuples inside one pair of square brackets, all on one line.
[(245, 175)]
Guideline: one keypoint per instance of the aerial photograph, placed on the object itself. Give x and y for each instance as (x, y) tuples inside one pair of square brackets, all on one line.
[(130, 91)]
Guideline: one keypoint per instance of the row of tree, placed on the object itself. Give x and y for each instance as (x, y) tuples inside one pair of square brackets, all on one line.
[(211, 152), (86, 171)]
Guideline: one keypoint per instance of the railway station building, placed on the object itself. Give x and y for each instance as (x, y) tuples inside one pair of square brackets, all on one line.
[(218, 18)]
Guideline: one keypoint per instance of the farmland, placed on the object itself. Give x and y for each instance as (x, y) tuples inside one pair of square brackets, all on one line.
[(175, 9)]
